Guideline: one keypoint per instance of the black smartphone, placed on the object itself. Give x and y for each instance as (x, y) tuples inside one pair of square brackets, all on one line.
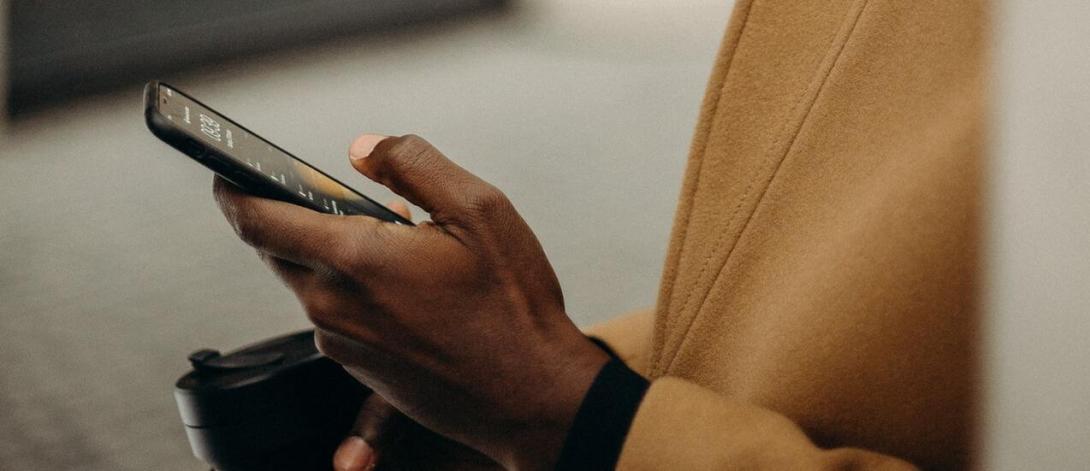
[(247, 160)]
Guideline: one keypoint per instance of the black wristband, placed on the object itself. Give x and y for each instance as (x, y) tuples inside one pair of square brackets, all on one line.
[(598, 432), (604, 346)]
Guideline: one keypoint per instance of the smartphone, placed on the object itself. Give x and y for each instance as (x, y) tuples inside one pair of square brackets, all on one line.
[(247, 160)]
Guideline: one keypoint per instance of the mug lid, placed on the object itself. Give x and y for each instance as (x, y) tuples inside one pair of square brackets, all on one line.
[(275, 377)]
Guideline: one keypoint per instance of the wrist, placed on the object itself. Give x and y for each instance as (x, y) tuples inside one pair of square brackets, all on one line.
[(536, 444)]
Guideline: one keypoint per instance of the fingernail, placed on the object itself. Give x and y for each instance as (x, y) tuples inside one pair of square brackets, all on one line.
[(364, 145), (354, 454)]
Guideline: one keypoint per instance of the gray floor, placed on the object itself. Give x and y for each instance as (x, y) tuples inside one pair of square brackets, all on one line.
[(114, 262)]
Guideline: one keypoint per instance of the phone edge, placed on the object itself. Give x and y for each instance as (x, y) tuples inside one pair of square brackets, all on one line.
[(167, 133)]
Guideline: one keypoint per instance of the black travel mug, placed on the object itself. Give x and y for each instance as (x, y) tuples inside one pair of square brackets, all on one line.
[(275, 405)]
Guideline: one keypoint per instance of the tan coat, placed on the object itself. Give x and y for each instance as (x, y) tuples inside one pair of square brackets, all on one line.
[(818, 306)]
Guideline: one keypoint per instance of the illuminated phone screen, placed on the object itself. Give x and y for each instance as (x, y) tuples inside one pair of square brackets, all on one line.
[(235, 143)]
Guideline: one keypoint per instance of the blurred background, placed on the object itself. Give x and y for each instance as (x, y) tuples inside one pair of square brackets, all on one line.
[(115, 263)]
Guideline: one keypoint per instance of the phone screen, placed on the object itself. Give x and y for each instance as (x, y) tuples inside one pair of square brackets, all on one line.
[(245, 148)]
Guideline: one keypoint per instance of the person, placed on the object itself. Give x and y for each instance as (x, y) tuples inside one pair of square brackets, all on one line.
[(818, 307)]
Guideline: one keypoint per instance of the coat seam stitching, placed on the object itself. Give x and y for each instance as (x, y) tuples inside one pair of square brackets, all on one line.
[(778, 162), (658, 347)]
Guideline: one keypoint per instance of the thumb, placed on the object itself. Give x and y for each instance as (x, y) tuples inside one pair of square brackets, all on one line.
[(354, 454), (378, 427), (418, 172)]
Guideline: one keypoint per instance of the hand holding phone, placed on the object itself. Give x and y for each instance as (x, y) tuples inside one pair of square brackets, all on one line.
[(456, 322)]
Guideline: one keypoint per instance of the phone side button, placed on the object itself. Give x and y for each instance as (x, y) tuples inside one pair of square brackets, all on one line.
[(194, 149)]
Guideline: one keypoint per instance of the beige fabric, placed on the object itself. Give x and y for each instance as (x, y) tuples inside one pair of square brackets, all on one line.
[(630, 338), (819, 294)]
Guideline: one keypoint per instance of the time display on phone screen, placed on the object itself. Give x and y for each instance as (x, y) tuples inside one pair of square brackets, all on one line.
[(234, 142), (211, 128)]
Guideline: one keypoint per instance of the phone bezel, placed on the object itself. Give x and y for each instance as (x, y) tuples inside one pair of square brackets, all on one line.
[(240, 175)]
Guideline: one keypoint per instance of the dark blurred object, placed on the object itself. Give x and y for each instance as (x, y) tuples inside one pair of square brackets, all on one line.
[(276, 405), (60, 49)]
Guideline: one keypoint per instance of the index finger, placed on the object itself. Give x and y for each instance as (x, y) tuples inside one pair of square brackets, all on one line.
[(284, 230)]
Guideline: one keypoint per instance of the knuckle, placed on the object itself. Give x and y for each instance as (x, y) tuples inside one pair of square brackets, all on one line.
[(409, 144), (356, 255), (341, 265), (326, 344), (411, 152), (342, 258), (321, 309), (358, 266), (488, 201), (247, 227)]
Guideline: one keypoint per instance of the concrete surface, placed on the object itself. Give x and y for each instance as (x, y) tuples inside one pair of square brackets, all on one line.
[(114, 262)]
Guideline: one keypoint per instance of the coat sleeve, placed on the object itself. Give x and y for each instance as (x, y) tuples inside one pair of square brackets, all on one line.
[(629, 336), (681, 425)]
